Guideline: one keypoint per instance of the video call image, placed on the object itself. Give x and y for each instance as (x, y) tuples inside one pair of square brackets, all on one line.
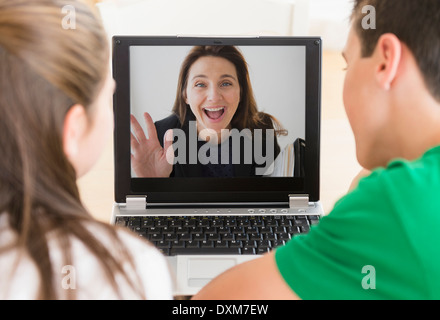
[(217, 111)]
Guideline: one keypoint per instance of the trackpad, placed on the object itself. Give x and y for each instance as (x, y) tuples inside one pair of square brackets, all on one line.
[(201, 271)]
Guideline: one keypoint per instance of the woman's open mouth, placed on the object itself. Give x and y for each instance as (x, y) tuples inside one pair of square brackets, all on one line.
[(214, 113)]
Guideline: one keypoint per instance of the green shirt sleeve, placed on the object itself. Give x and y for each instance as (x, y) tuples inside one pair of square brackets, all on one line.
[(360, 250)]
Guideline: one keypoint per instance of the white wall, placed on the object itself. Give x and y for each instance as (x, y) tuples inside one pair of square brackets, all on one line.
[(326, 18), (330, 20), (206, 17)]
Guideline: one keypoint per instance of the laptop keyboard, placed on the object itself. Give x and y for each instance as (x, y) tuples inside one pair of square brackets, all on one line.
[(218, 234)]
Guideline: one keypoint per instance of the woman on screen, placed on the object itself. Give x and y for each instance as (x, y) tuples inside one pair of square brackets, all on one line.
[(214, 96)]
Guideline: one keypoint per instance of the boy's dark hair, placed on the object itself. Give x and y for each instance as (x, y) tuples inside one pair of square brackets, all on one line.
[(415, 23)]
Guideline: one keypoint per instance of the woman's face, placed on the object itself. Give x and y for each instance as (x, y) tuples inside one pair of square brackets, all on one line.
[(213, 93)]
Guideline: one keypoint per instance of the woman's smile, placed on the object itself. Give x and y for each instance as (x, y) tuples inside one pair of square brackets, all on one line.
[(215, 114)]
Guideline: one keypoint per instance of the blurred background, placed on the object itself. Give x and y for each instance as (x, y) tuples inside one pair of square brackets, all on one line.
[(326, 18)]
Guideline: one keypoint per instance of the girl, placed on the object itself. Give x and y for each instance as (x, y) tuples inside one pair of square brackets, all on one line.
[(55, 94)]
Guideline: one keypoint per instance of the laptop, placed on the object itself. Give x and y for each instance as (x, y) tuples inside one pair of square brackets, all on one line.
[(219, 210)]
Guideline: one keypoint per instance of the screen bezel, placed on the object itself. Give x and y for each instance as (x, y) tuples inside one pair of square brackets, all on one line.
[(215, 190)]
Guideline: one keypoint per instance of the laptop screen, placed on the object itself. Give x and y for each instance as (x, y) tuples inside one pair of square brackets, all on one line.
[(225, 120)]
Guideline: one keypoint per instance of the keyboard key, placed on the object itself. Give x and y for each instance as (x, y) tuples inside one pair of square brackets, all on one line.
[(184, 236), (177, 244), (207, 244), (217, 223), (163, 244), (199, 236), (262, 250), (213, 236), (175, 223), (227, 237), (270, 236), (155, 236), (248, 250), (305, 228), (286, 223), (283, 236), (195, 230), (241, 236), (230, 222), (221, 244), (205, 222), (277, 243), (236, 244), (224, 230), (249, 244), (237, 230), (192, 222), (193, 244), (300, 221), (170, 236), (278, 229), (161, 223), (210, 230), (255, 236), (271, 223), (147, 222), (266, 230), (265, 244)]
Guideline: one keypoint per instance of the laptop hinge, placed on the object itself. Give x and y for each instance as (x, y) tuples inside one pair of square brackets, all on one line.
[(136, 202), (298, 201)]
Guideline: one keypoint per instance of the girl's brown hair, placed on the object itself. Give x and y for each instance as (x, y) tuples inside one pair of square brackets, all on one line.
[(247, 114), (46, 68)]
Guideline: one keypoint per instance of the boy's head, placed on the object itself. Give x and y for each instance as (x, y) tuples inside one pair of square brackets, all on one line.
[(392, 84), (415, 23)]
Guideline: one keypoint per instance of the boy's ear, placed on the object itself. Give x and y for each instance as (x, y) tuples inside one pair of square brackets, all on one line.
[(388, 54), (75, 126)]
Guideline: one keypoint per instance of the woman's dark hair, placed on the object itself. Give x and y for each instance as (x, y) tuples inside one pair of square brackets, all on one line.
[(247, 114), (44, 70)]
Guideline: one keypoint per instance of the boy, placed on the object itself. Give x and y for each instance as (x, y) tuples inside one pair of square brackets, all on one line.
[(381, 240)]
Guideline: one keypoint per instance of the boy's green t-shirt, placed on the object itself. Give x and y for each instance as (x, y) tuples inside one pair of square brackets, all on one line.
[(381, 241)]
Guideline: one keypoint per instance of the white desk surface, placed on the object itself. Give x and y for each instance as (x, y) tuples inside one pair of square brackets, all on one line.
[(338, 160)]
